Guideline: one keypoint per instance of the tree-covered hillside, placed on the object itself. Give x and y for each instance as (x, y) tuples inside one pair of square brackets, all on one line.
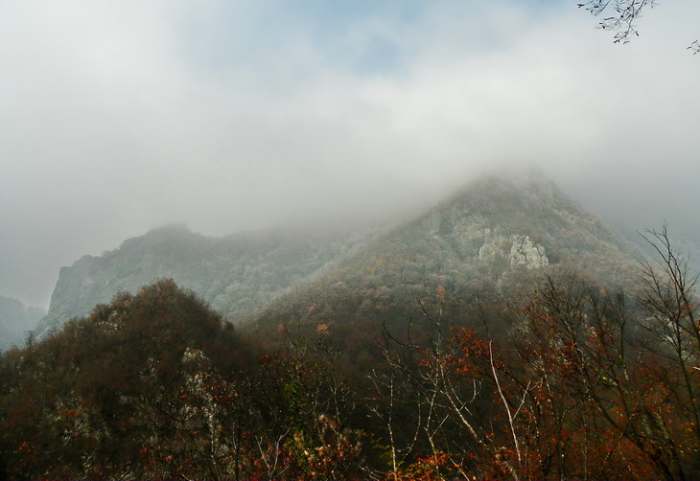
[(236, 275), (494, 238), (580, 383)]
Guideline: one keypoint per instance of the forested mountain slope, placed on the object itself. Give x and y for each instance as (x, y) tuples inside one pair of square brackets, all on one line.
[(235, 274), (495, 236)]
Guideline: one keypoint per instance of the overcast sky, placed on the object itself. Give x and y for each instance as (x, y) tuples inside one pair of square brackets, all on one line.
[(116, 117)]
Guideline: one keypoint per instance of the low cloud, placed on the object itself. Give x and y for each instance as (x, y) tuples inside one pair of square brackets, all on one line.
[(118, 117)]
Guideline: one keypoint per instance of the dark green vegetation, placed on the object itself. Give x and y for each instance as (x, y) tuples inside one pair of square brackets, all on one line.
[(16, 321)]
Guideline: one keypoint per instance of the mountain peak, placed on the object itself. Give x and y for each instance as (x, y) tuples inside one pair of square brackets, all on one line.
[(496, 234), (492, 232)]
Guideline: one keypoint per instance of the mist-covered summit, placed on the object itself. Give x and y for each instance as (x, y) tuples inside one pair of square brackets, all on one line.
[(495, 236), (492, 235)]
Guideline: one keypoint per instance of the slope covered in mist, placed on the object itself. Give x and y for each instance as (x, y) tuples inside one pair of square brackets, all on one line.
[(16, 320), (494, 237), (236, 275)]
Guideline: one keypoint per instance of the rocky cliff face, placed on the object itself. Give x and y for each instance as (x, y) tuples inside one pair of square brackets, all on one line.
[(516, 250), (236, 275), (16, 321)]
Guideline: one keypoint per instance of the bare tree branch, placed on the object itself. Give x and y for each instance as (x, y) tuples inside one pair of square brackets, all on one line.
[(622, 18)]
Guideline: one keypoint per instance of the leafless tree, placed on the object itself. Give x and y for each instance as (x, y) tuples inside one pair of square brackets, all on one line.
[(669, 297), (622, 18)]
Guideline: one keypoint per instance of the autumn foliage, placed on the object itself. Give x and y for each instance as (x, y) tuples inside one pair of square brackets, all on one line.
[(584, 384)]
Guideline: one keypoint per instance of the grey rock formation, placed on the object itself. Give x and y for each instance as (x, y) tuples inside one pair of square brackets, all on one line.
[(516, 250), (527, 254)]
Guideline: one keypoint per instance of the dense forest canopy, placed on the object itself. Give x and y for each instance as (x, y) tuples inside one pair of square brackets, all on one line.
[(582, 383)]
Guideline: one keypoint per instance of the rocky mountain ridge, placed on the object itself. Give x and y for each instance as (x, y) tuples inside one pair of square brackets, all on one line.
[(494, 237), (235, 274), (495, 234)]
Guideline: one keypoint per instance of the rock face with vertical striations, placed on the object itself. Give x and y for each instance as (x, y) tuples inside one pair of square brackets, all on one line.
[(517, 250)]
